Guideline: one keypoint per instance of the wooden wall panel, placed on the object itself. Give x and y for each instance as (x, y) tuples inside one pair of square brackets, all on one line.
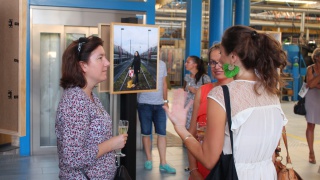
[(11, 68)]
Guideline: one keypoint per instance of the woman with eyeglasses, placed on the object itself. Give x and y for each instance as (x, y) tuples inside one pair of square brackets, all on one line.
[(194, 80), (199, 114), (83, 127)]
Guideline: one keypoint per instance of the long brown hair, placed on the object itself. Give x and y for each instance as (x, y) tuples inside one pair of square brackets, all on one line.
[(78, 50), (259, 52)]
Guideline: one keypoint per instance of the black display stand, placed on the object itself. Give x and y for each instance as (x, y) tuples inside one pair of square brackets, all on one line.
[(128, 111)]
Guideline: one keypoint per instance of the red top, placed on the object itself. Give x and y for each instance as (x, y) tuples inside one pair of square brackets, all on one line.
[(202, 117), (202, 112)]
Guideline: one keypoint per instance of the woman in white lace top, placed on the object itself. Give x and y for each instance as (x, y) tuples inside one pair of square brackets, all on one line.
[(252, 58)]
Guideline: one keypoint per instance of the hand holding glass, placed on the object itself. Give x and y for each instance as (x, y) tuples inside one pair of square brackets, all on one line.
[(201, 129), (123, 127)]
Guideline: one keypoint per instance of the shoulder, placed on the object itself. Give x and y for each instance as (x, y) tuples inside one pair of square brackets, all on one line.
[(73, 97), (206, 77), (187, 77), (311, 67), (207, 86), (162, 63)]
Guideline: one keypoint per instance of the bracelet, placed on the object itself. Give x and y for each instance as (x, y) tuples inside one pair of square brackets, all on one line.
[(192, 170), (189, 135)]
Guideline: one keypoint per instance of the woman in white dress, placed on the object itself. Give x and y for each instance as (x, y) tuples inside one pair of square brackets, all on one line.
[(252, 58)]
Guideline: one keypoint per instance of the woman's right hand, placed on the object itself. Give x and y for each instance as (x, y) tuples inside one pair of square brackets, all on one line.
[(120, 141), (114, 143), (178, 113)]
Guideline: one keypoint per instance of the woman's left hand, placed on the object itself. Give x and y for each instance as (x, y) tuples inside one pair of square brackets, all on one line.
[(192, 89), (178, 113)]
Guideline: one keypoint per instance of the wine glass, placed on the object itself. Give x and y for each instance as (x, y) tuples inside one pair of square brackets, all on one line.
[(201, 129), (123, 127)]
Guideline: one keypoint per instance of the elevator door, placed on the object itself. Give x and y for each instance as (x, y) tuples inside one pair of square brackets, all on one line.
[(48, 44)]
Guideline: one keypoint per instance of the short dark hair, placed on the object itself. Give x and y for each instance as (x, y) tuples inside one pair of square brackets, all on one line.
[(79, 50)]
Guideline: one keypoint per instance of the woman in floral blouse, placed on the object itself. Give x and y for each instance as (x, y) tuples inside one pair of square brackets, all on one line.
[(83, 128)]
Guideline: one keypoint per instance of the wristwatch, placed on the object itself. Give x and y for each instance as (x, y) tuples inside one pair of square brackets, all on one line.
[(166, 101)]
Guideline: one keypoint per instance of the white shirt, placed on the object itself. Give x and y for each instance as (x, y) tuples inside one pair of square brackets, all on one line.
[(257, 122)]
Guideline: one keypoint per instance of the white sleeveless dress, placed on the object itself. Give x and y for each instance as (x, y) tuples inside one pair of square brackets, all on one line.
[(257, 122)]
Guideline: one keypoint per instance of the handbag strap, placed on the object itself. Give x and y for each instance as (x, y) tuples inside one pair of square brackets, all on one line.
[(228, 110), (84, 173), (284, 137)]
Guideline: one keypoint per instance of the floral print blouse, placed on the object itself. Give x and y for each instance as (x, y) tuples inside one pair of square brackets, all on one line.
[(81, 125)]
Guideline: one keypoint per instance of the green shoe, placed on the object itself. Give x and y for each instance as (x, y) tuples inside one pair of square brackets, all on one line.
[(167, 169), (148, 165)]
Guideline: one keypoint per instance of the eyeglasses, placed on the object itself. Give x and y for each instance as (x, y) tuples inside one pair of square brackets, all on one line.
[(213, 63)]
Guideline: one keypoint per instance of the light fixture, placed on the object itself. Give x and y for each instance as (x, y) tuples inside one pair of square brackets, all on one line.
[(293, 1)]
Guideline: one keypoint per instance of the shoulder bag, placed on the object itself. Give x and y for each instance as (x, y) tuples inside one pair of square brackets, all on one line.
[(225, 168), (299, 107), (122, 174), (285, 172)]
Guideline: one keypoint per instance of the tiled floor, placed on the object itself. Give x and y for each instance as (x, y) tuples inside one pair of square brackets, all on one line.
[(45, 167)]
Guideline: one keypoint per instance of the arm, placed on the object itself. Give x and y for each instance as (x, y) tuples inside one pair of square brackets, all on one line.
[(209, 152), (116, 142), (312, 81), (193, 131), (165, 90)]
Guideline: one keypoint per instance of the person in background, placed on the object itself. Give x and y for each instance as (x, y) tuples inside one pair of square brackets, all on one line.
[(312, 103), (150, 111), (253, 60), (83, 128), (199, 114), (136, 67), (194, 80)]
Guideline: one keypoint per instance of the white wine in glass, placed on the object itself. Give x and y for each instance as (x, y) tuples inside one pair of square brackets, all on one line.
[(201, 129), (123, 127)]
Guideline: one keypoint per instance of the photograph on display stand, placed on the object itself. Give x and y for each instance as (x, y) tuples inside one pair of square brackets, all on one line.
[(134, 58)]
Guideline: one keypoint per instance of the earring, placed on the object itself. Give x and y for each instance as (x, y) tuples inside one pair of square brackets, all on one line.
[(230, 70), (230, 67)]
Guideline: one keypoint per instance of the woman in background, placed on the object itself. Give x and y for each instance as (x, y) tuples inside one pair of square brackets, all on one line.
[(84, 129), (199, 114), (136, 66), (194, 80), (312, 103)]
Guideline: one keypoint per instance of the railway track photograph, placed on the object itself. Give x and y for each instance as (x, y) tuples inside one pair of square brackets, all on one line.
[(134, 58)]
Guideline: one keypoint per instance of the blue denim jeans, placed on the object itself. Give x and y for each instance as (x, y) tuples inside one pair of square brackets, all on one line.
[(152, 113)]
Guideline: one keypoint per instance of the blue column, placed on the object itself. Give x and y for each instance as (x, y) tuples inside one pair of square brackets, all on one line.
[(193, 31), (242, 16), (296, 78), (220, 19)]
